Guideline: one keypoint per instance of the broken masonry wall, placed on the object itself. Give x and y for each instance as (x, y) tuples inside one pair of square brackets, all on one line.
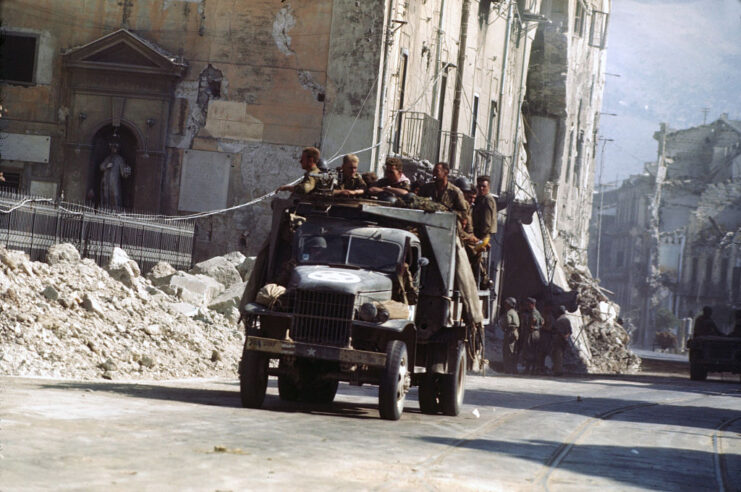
[(352, 90)]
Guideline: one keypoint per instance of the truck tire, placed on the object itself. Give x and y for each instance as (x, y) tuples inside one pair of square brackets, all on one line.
[(429, 393), (394, 381), (253, 378), (452, 386), (698, 372)]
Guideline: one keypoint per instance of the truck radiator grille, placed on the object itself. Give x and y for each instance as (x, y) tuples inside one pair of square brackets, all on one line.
[(322, 317)]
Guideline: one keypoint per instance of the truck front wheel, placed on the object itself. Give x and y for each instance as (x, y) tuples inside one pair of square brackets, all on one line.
[(452, 386), (253, 378), (395, 381)]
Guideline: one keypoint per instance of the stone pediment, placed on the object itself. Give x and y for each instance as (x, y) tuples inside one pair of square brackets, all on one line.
[(124, 50)]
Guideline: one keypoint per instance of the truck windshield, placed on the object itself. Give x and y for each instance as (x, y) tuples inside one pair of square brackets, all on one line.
[(361, 252)]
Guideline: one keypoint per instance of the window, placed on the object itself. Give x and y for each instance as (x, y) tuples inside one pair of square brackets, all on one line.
[(709, 269), (693, 275), (18, 57), (598, 32), (404, 64), (620, 259), (475, 116), (579, 18), (724, 272), (12, 181)]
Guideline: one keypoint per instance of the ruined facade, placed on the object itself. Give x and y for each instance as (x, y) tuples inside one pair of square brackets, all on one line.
[(212, 101), (688, 256), (564, 99)]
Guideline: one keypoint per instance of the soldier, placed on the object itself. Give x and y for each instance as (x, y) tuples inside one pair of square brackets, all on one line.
[(530, 324), (546, 338), (561, 335), (704, 324), (737, 324), (442, 191), (393, 179), (350, 182), (309, 160), (509, 322)]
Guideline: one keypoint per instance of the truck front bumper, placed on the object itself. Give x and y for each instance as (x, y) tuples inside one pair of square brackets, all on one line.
[(312, 351)]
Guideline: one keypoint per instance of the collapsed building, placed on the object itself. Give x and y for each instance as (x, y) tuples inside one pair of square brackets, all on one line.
[(212, 102), (669, 237)]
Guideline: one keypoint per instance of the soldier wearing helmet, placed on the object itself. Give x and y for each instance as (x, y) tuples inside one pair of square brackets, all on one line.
[(509, 322)]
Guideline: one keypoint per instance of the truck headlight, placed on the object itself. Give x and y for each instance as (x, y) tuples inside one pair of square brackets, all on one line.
[(368, 312)]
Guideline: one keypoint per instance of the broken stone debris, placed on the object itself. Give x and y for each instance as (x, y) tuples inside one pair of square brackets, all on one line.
[(70, 318), (605, 340)]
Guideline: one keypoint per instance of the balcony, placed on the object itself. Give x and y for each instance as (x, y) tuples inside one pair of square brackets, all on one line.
[(415, 136), (463, 158)]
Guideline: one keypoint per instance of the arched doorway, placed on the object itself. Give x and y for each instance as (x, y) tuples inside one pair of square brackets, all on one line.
[(128, 145)]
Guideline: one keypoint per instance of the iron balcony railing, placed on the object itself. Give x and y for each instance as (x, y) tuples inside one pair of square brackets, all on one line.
[(415, 136), (33, 224), (463, 158)]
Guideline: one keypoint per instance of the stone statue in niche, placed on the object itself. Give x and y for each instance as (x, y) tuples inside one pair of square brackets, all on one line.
[(114, 169)]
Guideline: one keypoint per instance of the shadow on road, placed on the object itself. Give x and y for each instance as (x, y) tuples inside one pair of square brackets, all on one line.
[(228, 398), (652, 468)]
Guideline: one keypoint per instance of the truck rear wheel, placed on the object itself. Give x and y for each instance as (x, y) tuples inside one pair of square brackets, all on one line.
[(253, 378), (287, 388), (698, 372), (452, 386), (428, 392), (394, 382)]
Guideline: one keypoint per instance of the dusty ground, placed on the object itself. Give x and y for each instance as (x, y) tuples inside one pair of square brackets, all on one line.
[(656, 431)]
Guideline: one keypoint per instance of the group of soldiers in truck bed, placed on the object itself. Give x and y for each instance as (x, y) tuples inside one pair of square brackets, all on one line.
[(528, 336)]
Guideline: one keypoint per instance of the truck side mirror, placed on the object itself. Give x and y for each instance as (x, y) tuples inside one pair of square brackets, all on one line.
[(423, 262)]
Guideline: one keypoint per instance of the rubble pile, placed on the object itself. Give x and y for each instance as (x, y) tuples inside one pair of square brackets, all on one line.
[(606, 340), (70, 318)]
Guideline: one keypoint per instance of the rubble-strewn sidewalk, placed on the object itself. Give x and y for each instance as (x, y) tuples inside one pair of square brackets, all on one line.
[(70, 318), (606, 340)]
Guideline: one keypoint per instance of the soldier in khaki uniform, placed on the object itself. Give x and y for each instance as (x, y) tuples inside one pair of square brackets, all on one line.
[(509, 322), (561, 335), (531, 323), (444, 192), (350, 182), (309, 159)]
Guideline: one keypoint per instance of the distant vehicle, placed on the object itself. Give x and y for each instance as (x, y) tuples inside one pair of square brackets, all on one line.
[(714, 354), (341, 264)]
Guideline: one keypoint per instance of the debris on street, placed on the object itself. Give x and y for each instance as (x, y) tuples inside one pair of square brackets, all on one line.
[(70, 318)]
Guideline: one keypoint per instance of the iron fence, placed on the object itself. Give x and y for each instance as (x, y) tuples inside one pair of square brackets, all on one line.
[(33, 224), (463, 158), (415, 136)]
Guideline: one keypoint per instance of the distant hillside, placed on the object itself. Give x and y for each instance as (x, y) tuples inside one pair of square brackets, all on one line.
[(674, 58)]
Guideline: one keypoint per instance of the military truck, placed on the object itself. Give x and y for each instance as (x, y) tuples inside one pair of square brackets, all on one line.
[(362, 292), (714, 353)]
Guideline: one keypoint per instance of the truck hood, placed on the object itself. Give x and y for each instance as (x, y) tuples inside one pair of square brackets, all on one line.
[(340, 280)]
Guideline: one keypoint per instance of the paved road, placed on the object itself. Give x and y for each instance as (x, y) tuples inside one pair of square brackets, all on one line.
[(515, 433)]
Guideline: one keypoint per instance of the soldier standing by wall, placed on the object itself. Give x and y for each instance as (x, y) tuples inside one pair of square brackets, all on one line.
[(546, 338), (509, 322), (561, 335), (530, 324)]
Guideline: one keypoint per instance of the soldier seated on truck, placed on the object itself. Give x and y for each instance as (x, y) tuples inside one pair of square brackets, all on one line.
[(350, 183), (309, 160), (393, 179)]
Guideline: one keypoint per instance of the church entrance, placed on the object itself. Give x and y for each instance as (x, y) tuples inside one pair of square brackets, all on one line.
[(98, 193)]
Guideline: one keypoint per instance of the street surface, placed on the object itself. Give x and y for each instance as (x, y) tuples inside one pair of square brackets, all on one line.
[(646, 432)]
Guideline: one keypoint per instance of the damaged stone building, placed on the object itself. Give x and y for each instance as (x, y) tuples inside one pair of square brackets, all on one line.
[(212, 101), (675, 246)]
